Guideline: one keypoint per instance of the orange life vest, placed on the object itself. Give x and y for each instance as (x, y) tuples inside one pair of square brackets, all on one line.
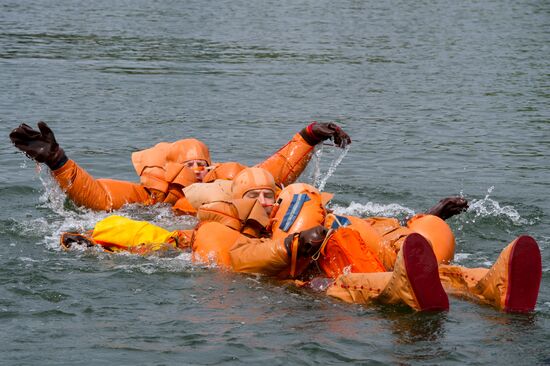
[(346, 252), (222, 223)]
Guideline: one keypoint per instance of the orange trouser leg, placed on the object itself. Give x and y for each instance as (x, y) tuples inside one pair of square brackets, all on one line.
[(511, 284), (414, 281)]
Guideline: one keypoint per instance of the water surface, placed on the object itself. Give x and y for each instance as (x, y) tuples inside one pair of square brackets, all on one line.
[(440, 98)]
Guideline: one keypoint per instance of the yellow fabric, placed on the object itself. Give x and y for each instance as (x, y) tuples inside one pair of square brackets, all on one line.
[(124, 233)]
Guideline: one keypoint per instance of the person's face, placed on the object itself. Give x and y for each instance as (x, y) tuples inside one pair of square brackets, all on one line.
[(197, 166), (265, 196)]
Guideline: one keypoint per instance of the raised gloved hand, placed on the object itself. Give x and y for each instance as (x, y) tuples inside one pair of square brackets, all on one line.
[(40, 146), (317, 132), (309, 241), (449, 207)]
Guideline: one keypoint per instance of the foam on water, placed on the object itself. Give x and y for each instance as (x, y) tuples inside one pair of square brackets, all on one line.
[(372, 209), (180, 263), (459, 257)]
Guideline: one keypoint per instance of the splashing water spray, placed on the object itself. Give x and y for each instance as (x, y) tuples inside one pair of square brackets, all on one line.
[(319, 181)]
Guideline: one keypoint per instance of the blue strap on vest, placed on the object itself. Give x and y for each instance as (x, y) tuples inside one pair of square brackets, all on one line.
[(294, 209), (340, 222)]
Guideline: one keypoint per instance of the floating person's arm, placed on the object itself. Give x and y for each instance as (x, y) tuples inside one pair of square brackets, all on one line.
[(448, 207), (289, 162), (79, 185), (280, 257)]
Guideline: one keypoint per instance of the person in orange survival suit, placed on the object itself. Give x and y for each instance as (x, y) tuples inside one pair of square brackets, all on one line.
[(415, 273), (235, 234), (165, 169), (410, 255), (296, 233)]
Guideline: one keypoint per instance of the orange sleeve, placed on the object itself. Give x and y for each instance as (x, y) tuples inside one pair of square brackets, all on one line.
[(216, 243), (265, 256), (289, 162), (212, 241), (97, 194)]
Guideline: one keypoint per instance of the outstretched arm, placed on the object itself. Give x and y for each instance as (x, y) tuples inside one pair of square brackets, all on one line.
[(81, 187)]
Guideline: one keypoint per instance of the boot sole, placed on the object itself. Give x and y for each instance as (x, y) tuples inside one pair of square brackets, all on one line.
[(423, 274), (524, 276)]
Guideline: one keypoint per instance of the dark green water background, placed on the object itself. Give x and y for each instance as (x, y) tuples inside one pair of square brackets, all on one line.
[(440, 98)]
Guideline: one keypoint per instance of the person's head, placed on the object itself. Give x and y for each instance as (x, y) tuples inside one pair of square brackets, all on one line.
[(256, 183), (194, 154)]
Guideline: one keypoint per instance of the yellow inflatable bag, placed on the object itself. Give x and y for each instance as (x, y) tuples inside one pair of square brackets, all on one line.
[(122, 233)]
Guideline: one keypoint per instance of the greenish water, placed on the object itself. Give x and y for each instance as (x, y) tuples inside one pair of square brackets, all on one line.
[(440, 98)]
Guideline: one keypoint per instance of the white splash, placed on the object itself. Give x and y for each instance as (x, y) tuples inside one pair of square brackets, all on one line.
[(180, 263), (316, 176), (488, 207), (332, 168), (373, 209), (317, 155), (459, 257)]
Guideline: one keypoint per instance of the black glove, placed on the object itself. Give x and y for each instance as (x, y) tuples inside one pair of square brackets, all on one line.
[(309, 241), (317, 132), (449, 207), (39, 145)]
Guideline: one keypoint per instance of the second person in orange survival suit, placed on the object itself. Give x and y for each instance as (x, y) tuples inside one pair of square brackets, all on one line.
[(415, 269), (414, 275), (165, 169), (295, 234)]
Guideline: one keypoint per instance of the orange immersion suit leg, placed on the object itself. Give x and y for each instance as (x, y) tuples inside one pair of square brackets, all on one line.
[(97, 194), (511, 284), (414, 281)]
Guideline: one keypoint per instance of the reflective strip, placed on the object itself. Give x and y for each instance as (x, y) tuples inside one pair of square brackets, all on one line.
[(340, 221), (294, 209)]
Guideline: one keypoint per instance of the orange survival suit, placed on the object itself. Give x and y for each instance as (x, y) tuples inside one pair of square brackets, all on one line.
[(367, 260), (163, 175), (230, 243), (365, 256)]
